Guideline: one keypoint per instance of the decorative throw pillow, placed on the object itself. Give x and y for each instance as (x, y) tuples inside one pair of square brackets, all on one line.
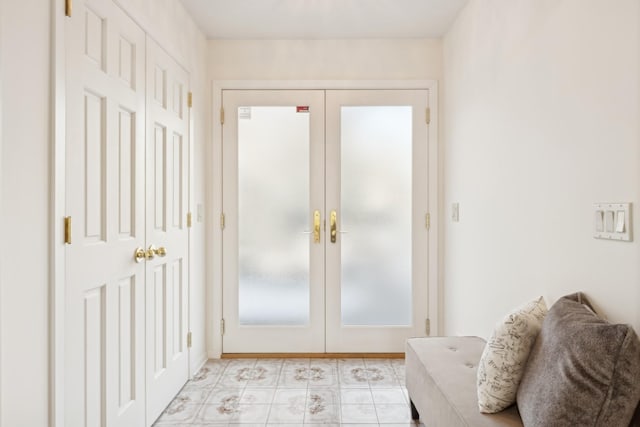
[(583, 370), (505, 355)]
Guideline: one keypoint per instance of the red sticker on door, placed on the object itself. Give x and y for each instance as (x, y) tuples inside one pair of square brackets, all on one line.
[(302, 109)]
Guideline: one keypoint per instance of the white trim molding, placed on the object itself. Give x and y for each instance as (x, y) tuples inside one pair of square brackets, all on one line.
[(1, 213), (58, 209)]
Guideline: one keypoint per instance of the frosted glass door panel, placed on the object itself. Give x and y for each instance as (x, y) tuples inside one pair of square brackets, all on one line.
[(273, 206), (375, 222)]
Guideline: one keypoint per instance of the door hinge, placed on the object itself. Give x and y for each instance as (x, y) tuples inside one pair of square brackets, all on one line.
[(68, 7), (67, 230), (427, 220), (221, 116), (428, 116), (221, 326), (427, 326), (190, 99), (222, 221), (189, 342), (189, 220)]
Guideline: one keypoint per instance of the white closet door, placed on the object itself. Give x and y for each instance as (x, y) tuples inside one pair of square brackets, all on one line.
[(104, 293), (167, 232)]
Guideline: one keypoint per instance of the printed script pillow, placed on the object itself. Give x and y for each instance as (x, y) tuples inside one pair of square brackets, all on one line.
[(505, 356), (583, 370)]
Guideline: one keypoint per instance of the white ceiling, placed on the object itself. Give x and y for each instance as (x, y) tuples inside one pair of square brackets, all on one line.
[(323, 19)]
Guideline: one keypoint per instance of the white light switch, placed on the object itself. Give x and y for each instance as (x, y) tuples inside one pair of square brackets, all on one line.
[(600, 221), (620, 221), (608, 221), (612, 221)]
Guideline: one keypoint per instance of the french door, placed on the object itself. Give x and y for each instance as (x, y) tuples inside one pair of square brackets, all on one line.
[(127, 173), (324, 197)]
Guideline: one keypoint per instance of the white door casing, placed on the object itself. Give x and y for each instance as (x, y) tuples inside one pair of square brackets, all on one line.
[(167, 361), (104, 292)]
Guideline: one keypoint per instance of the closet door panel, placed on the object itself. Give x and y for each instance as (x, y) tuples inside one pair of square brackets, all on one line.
[(104, 288), (167, 231)]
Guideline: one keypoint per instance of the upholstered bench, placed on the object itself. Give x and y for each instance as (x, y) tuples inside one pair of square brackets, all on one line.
[(441, 380), (580, 370)]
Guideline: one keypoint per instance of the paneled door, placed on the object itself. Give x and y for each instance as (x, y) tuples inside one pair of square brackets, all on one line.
[(127, 157), (167, 233), (376, 205), (273, 238), (325, 200), (104, 290)]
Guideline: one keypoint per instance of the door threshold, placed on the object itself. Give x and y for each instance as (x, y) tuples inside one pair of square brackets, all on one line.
[(312, 356)]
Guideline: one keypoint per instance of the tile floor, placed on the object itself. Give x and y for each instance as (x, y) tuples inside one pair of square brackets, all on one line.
[(289, 392)]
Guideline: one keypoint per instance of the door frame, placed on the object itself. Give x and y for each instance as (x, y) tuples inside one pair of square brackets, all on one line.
[(215, 193), (57, 202)]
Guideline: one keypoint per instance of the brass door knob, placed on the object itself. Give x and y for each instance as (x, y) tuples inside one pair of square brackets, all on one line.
[(139, 255), (161, 251), (150, 253)]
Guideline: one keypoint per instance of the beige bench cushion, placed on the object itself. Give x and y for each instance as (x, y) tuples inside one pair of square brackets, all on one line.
[(441, 380)]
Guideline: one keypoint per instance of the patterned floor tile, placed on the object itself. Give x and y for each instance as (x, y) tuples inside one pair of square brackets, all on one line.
[(393, 413), (293, 392), (291, 396), (355, 396), (252, 396), (286, 414), (180, 412), (359, 414), (388, 395), (318, 412)]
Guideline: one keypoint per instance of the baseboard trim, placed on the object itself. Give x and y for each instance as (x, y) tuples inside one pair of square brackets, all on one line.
[(312, 356), (198, 365)]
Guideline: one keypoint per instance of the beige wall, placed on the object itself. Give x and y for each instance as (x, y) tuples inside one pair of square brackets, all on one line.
[(299, 60), (24, 191), (26, 138), (325, 59), (541, 118)]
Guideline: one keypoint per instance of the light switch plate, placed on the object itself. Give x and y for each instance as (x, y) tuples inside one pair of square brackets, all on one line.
[(612, 221)]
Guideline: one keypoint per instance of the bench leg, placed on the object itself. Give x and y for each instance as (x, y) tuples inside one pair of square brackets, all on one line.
[(414, 412)]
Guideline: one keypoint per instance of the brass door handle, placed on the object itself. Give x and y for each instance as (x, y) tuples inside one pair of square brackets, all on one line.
[(316, 227), (139, 255), (150, 253), (333, 226)]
